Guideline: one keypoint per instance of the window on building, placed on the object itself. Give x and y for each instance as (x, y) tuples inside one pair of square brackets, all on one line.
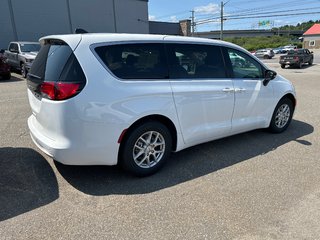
[(312, 43)]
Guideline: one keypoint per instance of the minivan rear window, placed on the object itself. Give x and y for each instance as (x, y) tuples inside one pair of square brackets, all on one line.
[(56, 73), (56, 62), (135, 61)]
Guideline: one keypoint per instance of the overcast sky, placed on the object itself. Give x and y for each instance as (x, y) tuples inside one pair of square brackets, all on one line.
[(239, 14)]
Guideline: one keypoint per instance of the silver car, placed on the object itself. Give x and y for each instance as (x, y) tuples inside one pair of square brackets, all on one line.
[(264, 53)]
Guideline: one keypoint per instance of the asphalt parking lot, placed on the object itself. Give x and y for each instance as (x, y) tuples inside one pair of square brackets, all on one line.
[(255, 185)]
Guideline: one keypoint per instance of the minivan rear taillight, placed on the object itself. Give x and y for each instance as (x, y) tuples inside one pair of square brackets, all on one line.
[(60, 90)]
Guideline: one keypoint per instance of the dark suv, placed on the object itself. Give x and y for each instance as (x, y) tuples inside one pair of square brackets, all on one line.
[(4, 67)]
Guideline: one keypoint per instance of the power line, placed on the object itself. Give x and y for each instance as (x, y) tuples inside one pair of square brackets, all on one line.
[(276, 15), (290, 10), (202, 21), (258, 16), (294, 3), (256, 11)]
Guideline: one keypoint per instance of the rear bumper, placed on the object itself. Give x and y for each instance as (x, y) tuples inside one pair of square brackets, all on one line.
[(288, 62), (69, 153)]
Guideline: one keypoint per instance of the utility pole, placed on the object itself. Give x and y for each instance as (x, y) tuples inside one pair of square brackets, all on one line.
[(221, 32), (13, 22), (192, 23), (222, 18)]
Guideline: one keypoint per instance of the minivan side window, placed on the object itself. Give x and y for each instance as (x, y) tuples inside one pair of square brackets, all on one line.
[(244, 66), (195, 61), (135, 61)]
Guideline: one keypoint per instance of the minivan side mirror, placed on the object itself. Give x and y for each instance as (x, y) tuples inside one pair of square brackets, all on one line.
[(268, 76)]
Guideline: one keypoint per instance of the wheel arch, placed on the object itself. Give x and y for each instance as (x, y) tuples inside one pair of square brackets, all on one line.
[(291, 97), (158, 118)]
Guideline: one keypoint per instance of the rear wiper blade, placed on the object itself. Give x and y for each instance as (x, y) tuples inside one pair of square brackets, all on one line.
[(34, 76)]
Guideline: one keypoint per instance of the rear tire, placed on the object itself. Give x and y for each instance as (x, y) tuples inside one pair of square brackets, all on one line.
[(146, 148), (283, 66), (282, 116)]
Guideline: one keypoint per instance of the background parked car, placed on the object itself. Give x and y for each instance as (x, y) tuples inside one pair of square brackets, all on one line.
[(297, 58), (279, 50), (288, 48), (264, 53), (4, 67), (21, 53)]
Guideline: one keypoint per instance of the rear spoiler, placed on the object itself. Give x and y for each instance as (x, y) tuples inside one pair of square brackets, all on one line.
[(80, 31)]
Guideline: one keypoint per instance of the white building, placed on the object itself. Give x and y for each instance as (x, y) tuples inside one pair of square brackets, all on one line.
[(311, 38), (22, 20)]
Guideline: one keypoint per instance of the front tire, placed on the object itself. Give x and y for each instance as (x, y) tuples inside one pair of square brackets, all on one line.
[(282, 116), (146, 148), (283, 65)]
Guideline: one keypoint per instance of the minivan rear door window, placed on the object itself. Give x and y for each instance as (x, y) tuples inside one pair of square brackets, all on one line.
[(135, 61), (195, 61)]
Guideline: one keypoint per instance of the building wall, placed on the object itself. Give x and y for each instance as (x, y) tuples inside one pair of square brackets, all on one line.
[(97, 17), (164, 28), (6, 29), (29, 20), (307, 39), (182, 28), (132, 16), (36, 18), (185, 27)]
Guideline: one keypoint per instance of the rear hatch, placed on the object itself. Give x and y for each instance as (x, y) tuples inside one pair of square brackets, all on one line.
[(55, 75), (287, 57)]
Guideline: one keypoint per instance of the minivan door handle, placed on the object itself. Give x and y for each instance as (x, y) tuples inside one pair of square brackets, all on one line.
[(226, 90), (240, 90)]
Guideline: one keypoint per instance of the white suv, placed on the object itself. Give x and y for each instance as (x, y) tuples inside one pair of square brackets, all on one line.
[(104, 99), (264, 53)]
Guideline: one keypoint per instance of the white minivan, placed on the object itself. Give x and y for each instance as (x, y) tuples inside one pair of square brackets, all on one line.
[(131, 99)]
